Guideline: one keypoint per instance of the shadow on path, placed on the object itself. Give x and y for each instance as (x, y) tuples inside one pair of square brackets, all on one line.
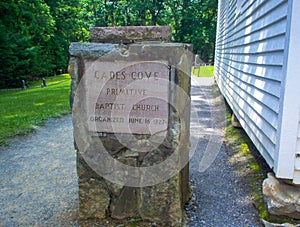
[(38, 181), (220, 197)]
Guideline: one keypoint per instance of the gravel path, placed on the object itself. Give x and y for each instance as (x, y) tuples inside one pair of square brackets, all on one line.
[(220, 196), (38, 181)]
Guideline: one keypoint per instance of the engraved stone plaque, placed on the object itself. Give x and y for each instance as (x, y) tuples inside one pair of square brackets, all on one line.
[(127, 97)]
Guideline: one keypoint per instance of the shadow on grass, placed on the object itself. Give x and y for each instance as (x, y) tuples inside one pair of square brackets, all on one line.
[(21, 111)]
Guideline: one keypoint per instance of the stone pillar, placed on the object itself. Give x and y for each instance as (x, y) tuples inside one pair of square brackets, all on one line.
[(131, 108)]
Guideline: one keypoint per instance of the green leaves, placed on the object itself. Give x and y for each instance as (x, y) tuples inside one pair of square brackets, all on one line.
[(198, 26), (35, 34), (26, 29)]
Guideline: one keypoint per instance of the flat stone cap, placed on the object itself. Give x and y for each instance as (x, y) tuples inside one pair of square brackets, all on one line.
[(130, 34)]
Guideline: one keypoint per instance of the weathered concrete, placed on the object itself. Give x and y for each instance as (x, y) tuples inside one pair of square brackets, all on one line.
[(130, 34), (126, 192), (281, 198)]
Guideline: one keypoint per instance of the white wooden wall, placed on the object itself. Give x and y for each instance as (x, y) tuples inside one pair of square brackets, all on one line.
[(289, 139), (251, 69)]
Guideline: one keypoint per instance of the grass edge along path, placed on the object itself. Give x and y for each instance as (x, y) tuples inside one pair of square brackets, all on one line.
[(205, 71), (248, 162), (22, 110)]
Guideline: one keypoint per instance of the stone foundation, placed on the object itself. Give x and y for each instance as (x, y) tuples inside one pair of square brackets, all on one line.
[(282, 199)]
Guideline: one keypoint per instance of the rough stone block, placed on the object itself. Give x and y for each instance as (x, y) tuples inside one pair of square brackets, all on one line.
[(162, 203), (281, 198), (235, 122), (125, 206), (130, 34), (94, 199)]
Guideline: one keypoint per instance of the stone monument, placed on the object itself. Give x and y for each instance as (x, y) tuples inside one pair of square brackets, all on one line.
[(130, 97)]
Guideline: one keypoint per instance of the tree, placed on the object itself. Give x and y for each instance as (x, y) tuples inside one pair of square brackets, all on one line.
[(69, 27), (26, 28), (198, 26), (35, 34), (40, 25)]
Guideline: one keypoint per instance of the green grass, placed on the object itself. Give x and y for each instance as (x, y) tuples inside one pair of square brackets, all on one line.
[(22, 110), (51, 80), (249, 163), (205, 71), (252, 167)]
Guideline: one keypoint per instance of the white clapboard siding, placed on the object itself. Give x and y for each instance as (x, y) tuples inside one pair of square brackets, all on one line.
[(251, 69), (289, 134)]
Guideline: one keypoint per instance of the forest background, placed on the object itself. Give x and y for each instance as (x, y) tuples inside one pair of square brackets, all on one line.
[(35, 34)]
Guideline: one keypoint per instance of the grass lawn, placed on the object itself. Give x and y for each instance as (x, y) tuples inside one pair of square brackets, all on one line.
[(50, 80), (205, 71), (22, 110)]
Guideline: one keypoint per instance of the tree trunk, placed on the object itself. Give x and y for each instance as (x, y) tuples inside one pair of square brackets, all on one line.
[(143, 14)]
